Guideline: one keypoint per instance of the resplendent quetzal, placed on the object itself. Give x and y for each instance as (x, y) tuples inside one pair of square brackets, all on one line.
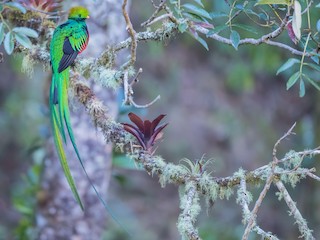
[(69, 39)]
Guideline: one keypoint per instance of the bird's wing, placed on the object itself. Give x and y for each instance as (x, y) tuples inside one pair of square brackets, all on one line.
[(73, 44)]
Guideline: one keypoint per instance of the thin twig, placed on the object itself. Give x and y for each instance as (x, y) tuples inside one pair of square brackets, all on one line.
[(313, 176), (128, 91), (157, 19), (243, 199), (132, 34), (237, 13), (307, 8), (264, 235), (136, 78), (305, 153), (305, 231), (145, 105), (153, 16), (52, 14), (274, 151), (252, 220)]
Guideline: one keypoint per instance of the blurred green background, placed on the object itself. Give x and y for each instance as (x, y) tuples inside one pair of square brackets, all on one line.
[(225, 104)]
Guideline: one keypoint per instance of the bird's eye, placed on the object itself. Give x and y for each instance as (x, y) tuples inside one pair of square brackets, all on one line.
[(79, 15)]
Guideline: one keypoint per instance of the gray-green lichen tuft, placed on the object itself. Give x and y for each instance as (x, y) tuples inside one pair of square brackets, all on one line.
[(265, 235), (279, 195), (107, 77), (292, 178), (27, 65), (225, 192), (306, 232), (294, 159), (208, 187), (168, 31), (84, 67), (171, 173)]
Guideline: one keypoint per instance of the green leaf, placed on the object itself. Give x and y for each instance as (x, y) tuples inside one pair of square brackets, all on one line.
[(246, 28), (288, 64), (23, 40), (26, 31), (286, 2), (217, 30), (263, 16), (193, 17), (302, 90), (1, 32), (312, 82), (202, 42), (314, 66), (315, 59), (195, 35), (218, 15), (235, 39), (183, 27), (16, 6), (239, 7), (292, 80), (8, 43), (196, 10)]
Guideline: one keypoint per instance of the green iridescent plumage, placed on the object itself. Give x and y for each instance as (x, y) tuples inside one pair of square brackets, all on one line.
[(69, 39)]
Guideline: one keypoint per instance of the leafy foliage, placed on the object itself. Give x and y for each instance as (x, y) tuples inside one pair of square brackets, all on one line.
[(196, 14), (227, 26), (301, 75), (9, 35)]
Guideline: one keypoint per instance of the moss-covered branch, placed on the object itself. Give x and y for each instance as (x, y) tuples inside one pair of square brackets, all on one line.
[(203, 183), (189, 204)]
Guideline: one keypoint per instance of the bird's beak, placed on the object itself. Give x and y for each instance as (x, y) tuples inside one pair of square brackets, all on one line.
[(88, 17)]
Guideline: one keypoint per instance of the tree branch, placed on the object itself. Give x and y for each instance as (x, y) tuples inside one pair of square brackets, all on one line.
[(305, 231), (132, 34), (252, 220), (189, 204)]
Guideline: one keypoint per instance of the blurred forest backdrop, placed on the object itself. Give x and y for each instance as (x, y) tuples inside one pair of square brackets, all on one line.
[(224, 104)]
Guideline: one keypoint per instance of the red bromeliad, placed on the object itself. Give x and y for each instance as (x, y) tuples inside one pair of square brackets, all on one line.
[(146, 132)]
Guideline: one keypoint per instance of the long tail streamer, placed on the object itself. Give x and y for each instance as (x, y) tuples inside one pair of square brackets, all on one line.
[(60, 118)]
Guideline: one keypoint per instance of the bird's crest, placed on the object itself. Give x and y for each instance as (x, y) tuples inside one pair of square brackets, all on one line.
[(79, 12)]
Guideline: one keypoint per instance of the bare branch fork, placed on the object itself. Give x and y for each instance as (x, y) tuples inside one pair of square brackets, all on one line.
[(128, 91), (303, 227)]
